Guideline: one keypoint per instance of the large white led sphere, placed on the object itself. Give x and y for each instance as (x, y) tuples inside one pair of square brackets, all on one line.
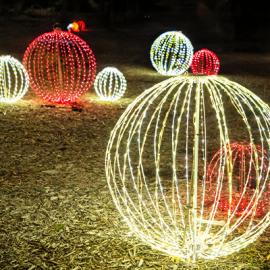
[(171, 53), (110, 84), (14, 80), (157, 160)]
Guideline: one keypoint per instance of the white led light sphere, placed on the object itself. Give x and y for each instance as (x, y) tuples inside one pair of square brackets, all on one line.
[(110, 84), (157, 159), (14, 80), (171, 53)]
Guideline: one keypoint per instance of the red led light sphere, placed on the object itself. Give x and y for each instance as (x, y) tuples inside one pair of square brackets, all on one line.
[(249, 175), (61, 66), (205, 62)]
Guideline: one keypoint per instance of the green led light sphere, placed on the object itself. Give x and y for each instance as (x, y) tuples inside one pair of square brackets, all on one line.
[(171, 53)]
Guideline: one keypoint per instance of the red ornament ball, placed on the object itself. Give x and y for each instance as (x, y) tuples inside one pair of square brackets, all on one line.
[(243, 205), (61, 66), (205, 62), (249, 175)]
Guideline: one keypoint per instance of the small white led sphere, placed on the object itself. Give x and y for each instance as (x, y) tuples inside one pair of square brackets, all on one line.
[(14, 80), (110, 84), (171, 53)]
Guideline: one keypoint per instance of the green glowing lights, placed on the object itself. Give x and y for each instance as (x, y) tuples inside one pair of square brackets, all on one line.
[(171, 53)]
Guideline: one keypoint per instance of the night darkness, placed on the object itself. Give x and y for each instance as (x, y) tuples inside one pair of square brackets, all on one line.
[(243, 25)]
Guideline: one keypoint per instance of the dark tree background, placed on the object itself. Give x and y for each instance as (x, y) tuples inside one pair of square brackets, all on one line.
[(244, 22)]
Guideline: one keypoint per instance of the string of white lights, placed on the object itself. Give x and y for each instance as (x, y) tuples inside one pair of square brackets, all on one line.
[(110, 84), (157, 160), (14, 80)]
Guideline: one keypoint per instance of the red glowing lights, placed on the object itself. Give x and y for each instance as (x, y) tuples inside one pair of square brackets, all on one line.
[(77, 26), (247, 179), (243, 205), (61, 66), (205, 62)]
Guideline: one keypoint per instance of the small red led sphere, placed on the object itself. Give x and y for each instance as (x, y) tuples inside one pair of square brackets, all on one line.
[(61, 66), (205, 62), (249, 175)]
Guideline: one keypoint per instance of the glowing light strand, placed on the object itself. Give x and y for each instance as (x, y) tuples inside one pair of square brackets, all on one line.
[(61, 66), (14, 80), (157, 174), (171, 53), (110, 84), (205, 62)]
